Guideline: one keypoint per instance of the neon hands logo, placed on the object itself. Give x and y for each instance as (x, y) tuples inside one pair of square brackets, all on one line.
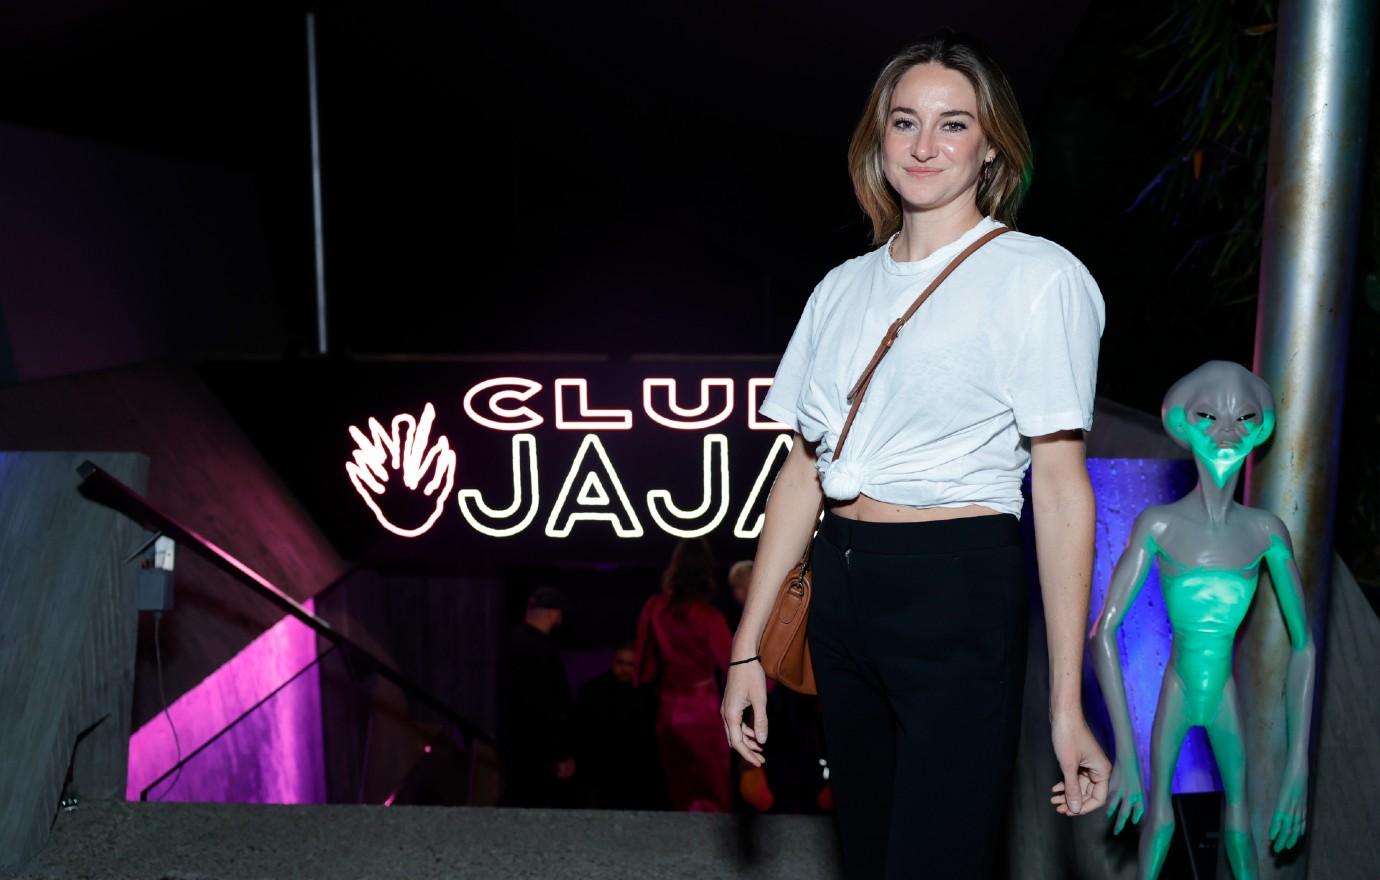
[(404, 452), (591, 489)]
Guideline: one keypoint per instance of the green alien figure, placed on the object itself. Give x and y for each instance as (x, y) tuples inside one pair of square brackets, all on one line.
[(1209, 550)]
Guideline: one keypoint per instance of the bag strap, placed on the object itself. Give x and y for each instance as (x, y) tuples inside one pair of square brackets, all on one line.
[(860, 387)]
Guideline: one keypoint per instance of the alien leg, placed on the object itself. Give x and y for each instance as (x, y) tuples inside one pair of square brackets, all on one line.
[(1224, 732), (1166, 738)]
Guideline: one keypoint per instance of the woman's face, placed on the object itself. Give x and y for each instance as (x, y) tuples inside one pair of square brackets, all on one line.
[(933, 150)]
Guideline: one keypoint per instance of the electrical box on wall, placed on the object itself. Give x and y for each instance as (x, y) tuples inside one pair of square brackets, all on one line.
[(155, 560)]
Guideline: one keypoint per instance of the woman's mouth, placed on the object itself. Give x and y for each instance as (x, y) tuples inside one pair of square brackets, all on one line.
[(919, 171)]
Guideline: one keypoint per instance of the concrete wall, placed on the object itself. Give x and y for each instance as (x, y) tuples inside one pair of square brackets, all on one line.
[(203, 472), (66, 640), (113, 256)]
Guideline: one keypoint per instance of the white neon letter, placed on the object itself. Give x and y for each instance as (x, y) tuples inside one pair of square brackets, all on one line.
[(683, 418), (524, 447), (778, 450), (404, 450), (590, 419), (522, 418), (755, 421), (592, 489), (676, 518)]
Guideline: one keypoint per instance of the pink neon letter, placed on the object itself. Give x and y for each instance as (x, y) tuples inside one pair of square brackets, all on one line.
[(592, 419), (683, 418), (521, 418), (756, 422)]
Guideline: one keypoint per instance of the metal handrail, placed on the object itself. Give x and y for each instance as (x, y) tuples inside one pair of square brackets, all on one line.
[(102, 488)]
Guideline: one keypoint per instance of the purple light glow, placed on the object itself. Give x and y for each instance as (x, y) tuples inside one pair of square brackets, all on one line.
[(1124, 487), (273, 756), (276, 754)]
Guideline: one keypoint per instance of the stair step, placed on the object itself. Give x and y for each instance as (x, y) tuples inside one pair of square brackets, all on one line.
[(118, 840)]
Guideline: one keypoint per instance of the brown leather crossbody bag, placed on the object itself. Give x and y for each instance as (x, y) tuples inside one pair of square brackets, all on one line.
[(784, 649)]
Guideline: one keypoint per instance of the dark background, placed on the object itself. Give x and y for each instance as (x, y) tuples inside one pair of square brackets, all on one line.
[(617, 178), (613, 179)]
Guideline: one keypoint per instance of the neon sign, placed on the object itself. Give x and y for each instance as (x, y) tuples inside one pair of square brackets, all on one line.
[(591, 489), (404, 452)]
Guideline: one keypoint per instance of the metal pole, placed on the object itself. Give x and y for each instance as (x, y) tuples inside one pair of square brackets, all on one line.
[(1308, 257), (321, 346)]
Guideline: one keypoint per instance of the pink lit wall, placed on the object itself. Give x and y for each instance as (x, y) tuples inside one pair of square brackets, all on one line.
[(274, 755)]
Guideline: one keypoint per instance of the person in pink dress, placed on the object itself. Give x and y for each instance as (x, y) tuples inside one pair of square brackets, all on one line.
[(682, 640)]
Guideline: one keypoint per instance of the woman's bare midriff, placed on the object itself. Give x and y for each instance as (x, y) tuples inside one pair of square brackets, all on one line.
[(865, 509)]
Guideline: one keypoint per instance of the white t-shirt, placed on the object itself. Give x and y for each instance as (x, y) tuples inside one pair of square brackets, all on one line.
[(1005, 347)]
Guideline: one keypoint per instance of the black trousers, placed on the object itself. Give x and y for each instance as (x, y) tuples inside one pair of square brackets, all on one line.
[(918, 637)]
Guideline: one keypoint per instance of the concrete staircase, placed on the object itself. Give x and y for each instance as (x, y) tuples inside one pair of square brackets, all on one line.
[(119, 840)]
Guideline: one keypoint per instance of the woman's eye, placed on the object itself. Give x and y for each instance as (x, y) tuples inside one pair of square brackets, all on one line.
[(903, 124), (954, 126)]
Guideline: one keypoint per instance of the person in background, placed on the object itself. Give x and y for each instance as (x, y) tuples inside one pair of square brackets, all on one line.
[(622, 772), (534, 708), (682, 641)]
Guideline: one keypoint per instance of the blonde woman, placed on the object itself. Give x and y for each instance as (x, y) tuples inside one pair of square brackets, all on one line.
[(918, 618)]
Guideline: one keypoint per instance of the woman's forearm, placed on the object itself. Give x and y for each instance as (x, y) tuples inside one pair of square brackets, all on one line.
[(789, 523), (1064, 521)]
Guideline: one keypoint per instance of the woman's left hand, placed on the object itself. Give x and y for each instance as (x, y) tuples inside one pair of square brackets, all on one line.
[(1085, 767)]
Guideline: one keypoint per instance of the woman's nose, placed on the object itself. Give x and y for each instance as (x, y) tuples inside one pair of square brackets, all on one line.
[(922, 147)]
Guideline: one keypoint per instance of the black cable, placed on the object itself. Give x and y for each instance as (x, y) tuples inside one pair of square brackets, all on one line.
[(162, 695)]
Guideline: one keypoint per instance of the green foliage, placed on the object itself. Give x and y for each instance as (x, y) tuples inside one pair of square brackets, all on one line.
[(1217, 58)]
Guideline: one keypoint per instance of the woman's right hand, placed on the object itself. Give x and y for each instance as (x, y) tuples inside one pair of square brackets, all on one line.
[(746, 688)]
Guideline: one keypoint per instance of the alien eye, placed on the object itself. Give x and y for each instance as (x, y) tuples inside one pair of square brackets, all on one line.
[(1247, 417), (1209, 416)]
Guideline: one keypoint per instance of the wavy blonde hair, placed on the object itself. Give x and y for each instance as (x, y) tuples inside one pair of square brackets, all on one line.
[(1002, 185)]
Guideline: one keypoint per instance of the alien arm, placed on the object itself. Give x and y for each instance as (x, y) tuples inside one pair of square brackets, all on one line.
[(1127, 578), (1299, 681)]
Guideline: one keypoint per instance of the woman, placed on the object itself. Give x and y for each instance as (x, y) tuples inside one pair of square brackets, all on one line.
[(681, 641), (918, 616)]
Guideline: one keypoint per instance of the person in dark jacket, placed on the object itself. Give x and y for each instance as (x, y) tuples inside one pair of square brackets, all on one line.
[(535, 715), (620, 772)]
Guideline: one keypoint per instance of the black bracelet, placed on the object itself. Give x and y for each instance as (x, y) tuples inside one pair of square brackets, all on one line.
[(748, 660)]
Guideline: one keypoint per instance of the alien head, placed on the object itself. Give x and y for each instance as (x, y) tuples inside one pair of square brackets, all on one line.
[(1220, 411)]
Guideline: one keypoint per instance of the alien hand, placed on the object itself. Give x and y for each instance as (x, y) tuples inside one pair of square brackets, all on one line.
[(404, 452), (1126, 798), (1291, 809)]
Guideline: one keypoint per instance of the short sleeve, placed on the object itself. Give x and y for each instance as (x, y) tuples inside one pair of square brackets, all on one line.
[(780, 403), (1053, 374)]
